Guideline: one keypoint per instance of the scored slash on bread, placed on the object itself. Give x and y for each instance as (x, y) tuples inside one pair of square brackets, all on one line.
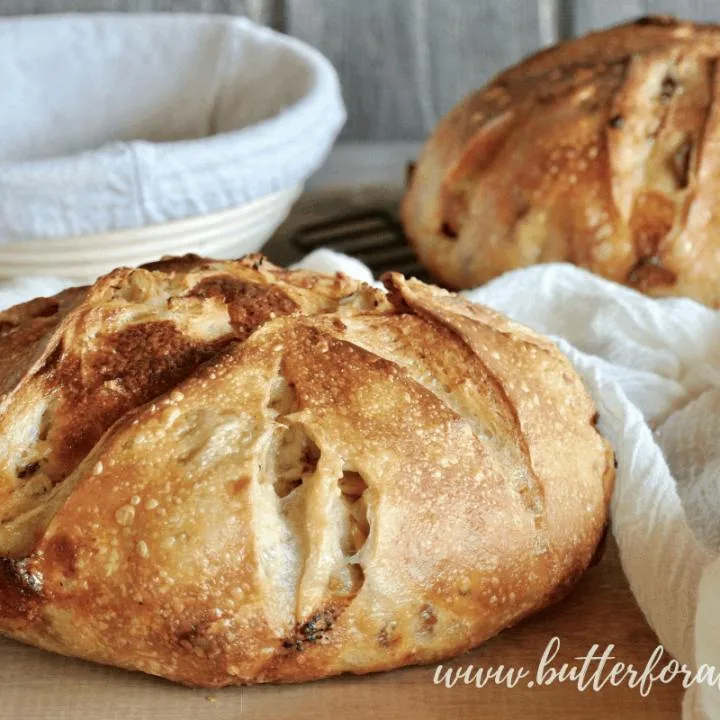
[(226, 472), (106, 350)]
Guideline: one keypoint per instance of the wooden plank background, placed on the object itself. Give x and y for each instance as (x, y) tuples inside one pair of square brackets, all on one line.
[(405, 63)]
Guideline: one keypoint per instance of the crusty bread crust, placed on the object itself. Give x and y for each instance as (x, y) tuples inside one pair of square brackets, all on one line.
[(26, 328), (601, 151), (225, 472)]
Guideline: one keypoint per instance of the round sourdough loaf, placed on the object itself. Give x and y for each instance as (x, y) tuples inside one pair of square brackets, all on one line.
[(225, 472), (603, 151)]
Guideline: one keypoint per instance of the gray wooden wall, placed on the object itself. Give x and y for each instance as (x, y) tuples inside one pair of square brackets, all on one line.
[(404, 63)]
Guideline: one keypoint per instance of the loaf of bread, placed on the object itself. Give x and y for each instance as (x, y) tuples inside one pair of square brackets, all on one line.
[(603, 152), (226, 472)]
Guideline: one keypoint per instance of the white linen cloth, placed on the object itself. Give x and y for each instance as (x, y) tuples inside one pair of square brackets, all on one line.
[(115, 121), (653, 368)]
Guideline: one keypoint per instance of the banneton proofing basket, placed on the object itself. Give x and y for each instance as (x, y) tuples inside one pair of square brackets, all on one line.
[(124, 138), (225, 234)]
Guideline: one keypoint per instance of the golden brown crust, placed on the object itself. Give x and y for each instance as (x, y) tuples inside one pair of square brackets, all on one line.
[(131, 337), (26, 328), (601, 151), (350, 482)]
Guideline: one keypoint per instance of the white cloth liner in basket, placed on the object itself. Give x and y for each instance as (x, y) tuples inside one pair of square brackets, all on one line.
[(226, 112)]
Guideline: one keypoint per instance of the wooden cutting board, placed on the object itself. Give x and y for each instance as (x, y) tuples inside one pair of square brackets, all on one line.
[(41, 686)]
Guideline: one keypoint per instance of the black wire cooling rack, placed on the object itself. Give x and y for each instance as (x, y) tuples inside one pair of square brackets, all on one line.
[(374, 237)]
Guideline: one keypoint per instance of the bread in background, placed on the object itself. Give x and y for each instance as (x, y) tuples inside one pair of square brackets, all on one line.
[(602, 151)]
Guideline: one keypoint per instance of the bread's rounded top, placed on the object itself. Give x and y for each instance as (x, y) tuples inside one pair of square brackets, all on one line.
[(228, 472), (601, 151)]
